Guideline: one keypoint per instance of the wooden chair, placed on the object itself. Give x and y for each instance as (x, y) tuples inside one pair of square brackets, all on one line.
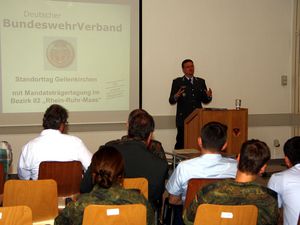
[(140, 183), (15, 215), (210, 214), (67, 175), (39, 195), (131, 214), (194, 185)]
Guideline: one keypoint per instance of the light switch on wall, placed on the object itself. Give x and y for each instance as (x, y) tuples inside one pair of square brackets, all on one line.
[(276, 143), (284, 80)]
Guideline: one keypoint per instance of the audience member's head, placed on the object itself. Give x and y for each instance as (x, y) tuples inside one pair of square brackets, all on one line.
[(292, 151), (141, 126), (213, 137), (107, 167), (55, 117), (135, 112), (254, 156)]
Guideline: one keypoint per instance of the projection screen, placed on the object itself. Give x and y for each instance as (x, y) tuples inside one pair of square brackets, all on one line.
[(83, 55)]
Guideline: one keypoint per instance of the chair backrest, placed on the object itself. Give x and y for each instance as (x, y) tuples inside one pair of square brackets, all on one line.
[(15, 215), (210, 214), (140, 184), (131, 214), (194, 185), (39, 195), (67, 175)]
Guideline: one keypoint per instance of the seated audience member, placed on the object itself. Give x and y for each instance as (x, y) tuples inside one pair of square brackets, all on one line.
[(252, 161), (287, 182), (154, 146), (52, 145), (107, 170), (139, 161), (210, 164), (6, 156)]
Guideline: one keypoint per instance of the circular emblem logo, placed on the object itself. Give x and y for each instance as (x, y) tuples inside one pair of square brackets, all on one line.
[(60, 53)]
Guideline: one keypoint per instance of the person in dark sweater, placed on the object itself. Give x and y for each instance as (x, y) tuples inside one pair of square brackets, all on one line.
[(139, 161), (107, 169)]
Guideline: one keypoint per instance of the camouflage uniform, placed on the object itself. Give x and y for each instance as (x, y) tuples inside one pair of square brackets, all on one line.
[(230, 192), (116, 195)]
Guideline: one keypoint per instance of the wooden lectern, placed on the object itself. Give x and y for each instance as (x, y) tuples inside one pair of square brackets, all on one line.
[(236, 121)]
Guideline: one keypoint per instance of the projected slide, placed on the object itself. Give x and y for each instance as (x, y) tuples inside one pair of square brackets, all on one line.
[(76, 54)]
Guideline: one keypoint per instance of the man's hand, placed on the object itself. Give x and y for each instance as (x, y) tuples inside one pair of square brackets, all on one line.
[(175, 200), (180, 92), (209, 92)]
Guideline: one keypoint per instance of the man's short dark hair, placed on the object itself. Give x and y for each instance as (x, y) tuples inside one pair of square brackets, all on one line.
[(291, 150), (213, 136), (140, 126), (135, 112), (186, 61), (54, 116), (254, 155)]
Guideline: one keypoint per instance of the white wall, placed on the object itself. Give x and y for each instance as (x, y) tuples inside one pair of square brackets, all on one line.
[(240, 47)]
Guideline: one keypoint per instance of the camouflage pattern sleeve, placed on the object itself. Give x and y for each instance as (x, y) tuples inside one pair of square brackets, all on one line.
[(150, 212), (190, 213), (72, 214), (156, 148), (268, 212)]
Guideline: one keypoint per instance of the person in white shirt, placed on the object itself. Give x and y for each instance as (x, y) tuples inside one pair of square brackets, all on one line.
[(210, 164), (53, 144), (287, 182)]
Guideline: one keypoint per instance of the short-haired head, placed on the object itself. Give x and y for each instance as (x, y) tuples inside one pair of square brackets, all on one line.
[(135, 112), (213, 136), (54, 116), (291, 150), (254, 155), (141, 126), (186, 61), (107, 167)]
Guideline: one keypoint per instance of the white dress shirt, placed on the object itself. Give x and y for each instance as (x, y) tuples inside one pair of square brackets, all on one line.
[(287, 185), (51, 145), (205, 166)]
